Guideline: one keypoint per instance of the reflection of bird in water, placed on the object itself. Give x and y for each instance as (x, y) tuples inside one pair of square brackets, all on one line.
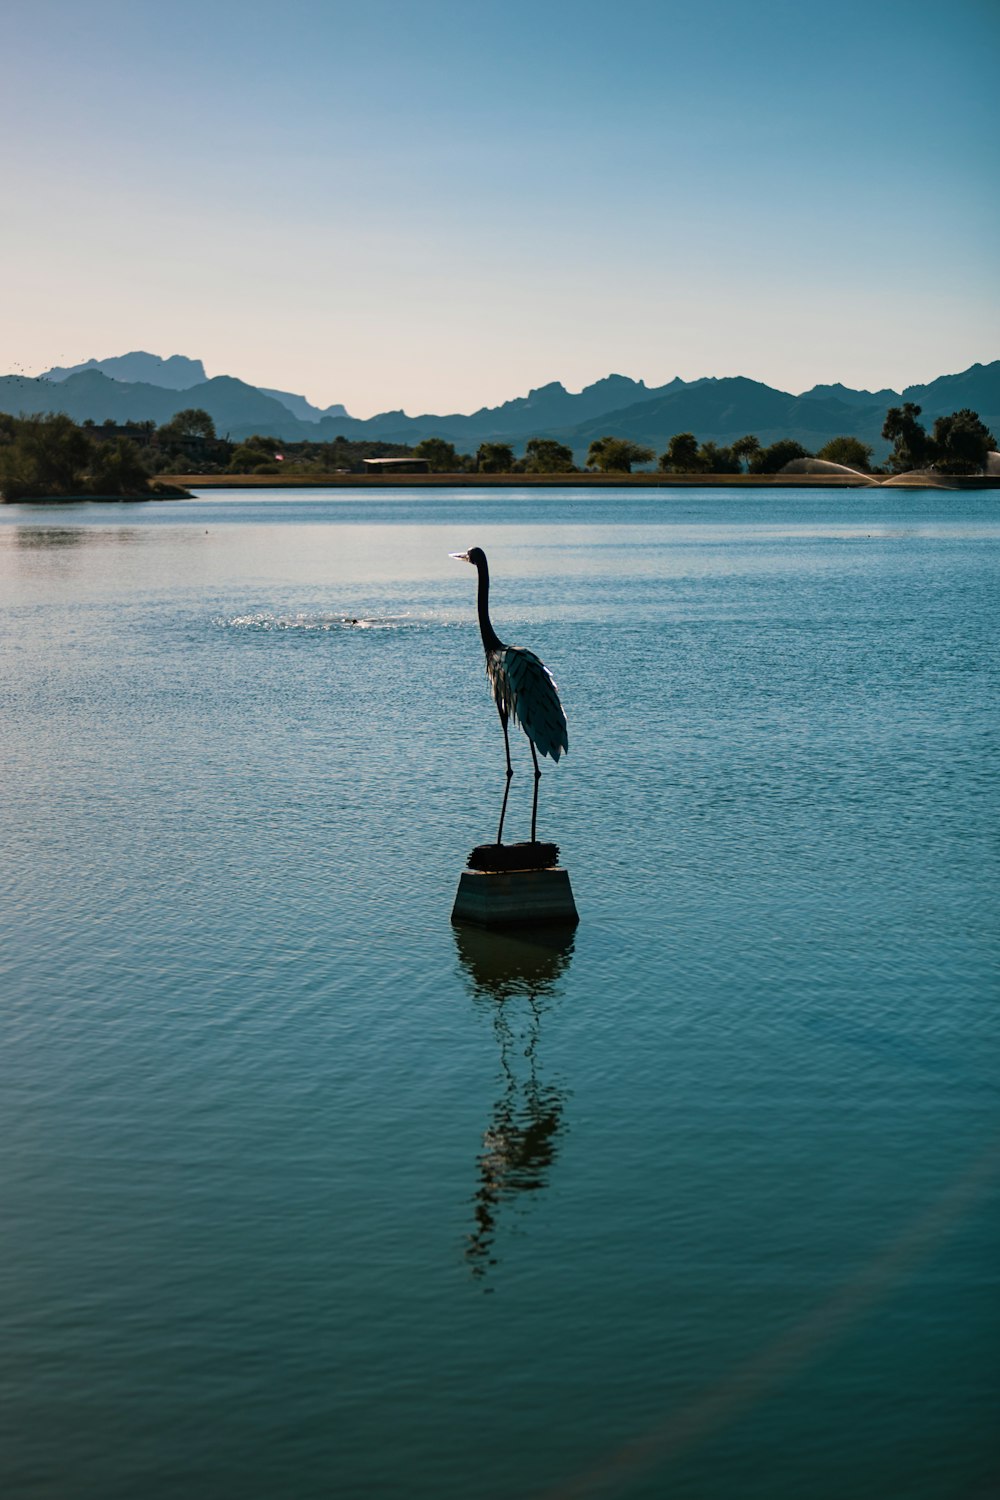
[(522, 690), (519, 1143), (519, 1146)]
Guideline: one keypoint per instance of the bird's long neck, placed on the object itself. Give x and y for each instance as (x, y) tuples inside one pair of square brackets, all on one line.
[(491, 641)]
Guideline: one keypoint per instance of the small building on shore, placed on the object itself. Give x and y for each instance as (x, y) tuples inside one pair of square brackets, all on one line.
[(390, 466)]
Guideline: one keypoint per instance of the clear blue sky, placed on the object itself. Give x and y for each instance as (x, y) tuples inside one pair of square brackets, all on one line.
[(436, 204)]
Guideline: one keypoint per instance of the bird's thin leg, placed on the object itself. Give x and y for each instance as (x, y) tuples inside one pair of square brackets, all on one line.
[(510, 773), (534, 803)]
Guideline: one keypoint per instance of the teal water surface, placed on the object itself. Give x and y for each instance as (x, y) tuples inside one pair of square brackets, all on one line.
[(308, 1193)]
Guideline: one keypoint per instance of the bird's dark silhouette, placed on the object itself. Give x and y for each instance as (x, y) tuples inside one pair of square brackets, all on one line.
[(522, 689)]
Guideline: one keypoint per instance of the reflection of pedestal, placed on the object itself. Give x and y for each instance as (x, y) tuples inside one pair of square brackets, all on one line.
[(514, 898)]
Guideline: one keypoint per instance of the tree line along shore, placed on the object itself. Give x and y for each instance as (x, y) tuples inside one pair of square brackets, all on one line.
[(52, 457)]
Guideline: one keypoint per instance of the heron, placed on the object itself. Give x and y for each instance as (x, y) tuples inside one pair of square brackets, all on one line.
[(522, 689)]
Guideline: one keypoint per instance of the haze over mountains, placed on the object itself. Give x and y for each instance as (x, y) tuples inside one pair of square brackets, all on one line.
[(145, 387)]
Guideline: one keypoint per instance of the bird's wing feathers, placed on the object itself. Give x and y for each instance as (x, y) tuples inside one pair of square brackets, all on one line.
[(523, 688)]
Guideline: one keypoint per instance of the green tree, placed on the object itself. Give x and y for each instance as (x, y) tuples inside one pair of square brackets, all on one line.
[(440, 455), (715, 460), (911, 445), (46, 455), (495, 458), (255, 456), (961, 442), (192, 422), (116, 468), (773, 459), (546, 456), (343, 454), (613, 455), (263, 443), (745, 447), (850, 451), (681, 456)]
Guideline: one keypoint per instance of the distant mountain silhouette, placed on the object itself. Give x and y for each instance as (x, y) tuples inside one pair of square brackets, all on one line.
[(552, 405), (844, 393), (236, 408), (301, 408), (717, 409), (977, 387), (533, 415), (541, 413), (723, 410), (175, 374), (178, 373)]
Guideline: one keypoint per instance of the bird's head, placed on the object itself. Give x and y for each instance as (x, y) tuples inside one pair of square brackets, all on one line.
[(475, 556)]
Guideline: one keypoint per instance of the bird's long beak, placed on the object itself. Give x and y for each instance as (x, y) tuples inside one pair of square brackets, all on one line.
[(459, 556)]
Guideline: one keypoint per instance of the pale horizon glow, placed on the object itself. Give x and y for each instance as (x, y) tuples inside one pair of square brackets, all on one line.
[(438, 208)]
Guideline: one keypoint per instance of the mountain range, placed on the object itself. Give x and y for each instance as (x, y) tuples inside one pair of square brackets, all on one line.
[(142, 387), (179, 373)]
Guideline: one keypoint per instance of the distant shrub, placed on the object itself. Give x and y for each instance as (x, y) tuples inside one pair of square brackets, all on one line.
[(46, 455), (613, 455), (117, 469), (773, 459), (715, 460), (850, 451), (546, 456), (681, 455), (51, 456)]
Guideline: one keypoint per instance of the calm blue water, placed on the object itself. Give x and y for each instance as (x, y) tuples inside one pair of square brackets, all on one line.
[(307, 1194)]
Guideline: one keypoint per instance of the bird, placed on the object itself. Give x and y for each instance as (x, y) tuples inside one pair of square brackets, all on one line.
[(523, 690)]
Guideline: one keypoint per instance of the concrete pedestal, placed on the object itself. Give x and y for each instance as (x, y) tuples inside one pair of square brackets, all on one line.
[(514, 898)]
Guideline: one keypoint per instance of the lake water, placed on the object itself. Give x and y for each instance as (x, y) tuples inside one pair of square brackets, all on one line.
[(307, 1193)]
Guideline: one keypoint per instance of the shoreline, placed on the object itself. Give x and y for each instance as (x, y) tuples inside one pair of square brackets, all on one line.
[(574, 481), (182, 485)]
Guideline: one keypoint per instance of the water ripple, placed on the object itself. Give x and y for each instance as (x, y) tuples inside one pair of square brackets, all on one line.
[(266, 620)]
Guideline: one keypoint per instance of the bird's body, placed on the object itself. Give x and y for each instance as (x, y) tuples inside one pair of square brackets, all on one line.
[(522, 687)]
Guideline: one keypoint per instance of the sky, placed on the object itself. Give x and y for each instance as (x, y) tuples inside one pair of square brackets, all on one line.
[(436, 205)]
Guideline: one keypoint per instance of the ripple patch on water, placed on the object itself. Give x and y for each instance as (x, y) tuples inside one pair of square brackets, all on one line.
[(265, 620)]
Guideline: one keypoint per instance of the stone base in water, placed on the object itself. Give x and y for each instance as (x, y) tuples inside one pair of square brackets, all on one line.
[(514, 898)]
